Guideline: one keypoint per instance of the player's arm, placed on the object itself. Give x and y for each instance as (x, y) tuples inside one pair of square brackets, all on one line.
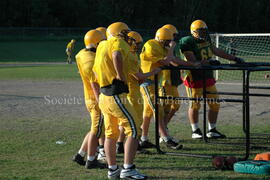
[(95, 88), (171, 49), (164, 62), (220, 53), (118, 65), (142, 76), (179, 62)]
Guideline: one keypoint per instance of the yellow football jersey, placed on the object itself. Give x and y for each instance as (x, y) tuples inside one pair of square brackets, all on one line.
[(103, 66), (151, 53), (85, 60), (70, 45), (134, 68)]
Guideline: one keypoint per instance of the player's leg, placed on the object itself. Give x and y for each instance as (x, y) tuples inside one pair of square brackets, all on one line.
[(148, 94), (193, 111), (101, 152), (171, 106), (214, 107), (129, 120), (106, 104), (97, 130), (68, 56), (147, 115), (120, 141), (79, 157), (70, 59)]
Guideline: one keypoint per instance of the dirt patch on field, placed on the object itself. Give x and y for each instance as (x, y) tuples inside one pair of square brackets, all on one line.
[(47, 100)]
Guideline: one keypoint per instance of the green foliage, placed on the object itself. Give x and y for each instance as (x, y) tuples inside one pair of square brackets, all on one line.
[(221, 15)]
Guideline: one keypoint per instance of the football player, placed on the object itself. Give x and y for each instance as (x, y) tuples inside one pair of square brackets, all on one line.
[(155, 53), (198, 48), (69, 50), (85, 60), (170, 89), (135, 77), (111, 68)]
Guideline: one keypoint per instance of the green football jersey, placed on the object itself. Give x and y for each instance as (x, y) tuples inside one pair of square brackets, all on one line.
[(202, 51)]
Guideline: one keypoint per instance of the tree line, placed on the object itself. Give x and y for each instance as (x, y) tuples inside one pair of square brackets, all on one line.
[(228, 16)]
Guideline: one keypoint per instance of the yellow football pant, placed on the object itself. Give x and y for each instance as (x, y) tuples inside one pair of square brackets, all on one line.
[(148, 94), (97, 121), (170, 104), (118, 111), (135, 98), (198, 93)]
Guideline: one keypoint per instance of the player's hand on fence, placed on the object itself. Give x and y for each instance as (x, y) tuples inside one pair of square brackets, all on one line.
[(239, 60), (214, 62), (156, 70), (196, 64), (204, 62), (166, 61)]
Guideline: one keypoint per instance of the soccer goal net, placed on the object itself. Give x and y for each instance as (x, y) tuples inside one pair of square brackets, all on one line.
[(250, 47)]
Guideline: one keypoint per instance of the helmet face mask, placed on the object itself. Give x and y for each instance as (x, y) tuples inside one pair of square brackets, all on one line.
[(124, 34), (135, 41), (165, 43), (201, 33)]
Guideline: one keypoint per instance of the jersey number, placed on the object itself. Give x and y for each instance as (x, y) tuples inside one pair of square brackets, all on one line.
[(206, 53)]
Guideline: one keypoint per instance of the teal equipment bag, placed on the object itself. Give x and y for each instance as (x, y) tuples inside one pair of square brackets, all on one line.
[(252, 167)]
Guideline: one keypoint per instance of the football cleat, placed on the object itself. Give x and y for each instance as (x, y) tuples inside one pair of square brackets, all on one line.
[(173, 145), (94, 164), (101, 156), (213, 133), (146, 144), (78, 159), (197, 134), (131, 173), (161, 140), (114, 174)]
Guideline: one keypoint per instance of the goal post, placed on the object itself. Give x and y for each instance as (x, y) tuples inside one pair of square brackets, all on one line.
[(251, 47)]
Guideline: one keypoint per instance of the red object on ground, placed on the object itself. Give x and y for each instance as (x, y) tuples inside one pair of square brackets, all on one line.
[(218, 162)]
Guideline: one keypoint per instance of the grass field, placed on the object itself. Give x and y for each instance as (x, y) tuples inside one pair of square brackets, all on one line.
[(45, 72), (36, 51), (30, 127)]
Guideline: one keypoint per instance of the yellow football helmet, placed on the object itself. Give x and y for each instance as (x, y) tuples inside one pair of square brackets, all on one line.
[(102, 30), (92, 38), (116, 29), (135, 37), (135, 40), (171, 27), (73, 40), (199, 29), (164, 34)]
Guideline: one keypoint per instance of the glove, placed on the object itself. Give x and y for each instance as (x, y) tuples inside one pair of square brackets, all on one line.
[(239, 60), (214, 62)]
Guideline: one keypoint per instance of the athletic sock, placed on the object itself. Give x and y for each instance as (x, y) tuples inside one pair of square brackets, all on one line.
[(144, 138), (194, 126), (165, 138), (81, 152), (211, 126), (126, 166), (91, 158), (113, 167)]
